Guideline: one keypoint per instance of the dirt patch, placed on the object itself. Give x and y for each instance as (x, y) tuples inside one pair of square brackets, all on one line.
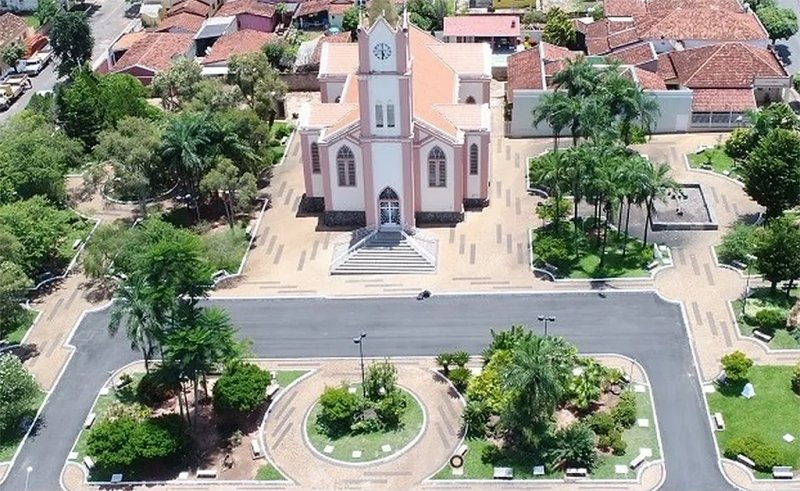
[(565, 418)]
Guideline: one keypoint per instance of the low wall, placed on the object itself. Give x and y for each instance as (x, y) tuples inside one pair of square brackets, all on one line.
[(301, 82)]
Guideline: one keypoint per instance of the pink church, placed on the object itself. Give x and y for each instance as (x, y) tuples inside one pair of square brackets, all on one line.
[(402, 134)]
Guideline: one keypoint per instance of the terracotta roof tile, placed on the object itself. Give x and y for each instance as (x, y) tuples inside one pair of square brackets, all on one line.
[(629, 8), (253, 7), (183, 22), (725, 65), (128, 39), (339, 8), (340, 37), (338, 59), (308, 7), (649, 80), (623, 38), (156, 51), (524, 71), (665, 70), (195, 7), (552, 52), (237, 43), (723, 100), (600, 34), (482, 25), (623, 8), (706, 22), (11, 27), (634, 55), (465, 58)]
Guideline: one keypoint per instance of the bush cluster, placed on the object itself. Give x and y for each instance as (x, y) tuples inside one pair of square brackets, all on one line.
[(771, 319), (737, 244), (460, 375), (476, 415), (125, 442), (552, 249), (613, 441), (156, 387), (796, 379), (736, 366), (624, 413), (609, 426), (763, 455), (241, 388)]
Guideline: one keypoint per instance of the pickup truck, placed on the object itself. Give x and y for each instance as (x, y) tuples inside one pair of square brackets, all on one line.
[(11, 88), (36, 63)]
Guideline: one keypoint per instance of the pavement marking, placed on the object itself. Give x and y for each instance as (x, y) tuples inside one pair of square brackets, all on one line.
[(697, 315), (471, 278), (725, 203), (284, 420), (302, 261), (441, 432), (499, 186), (445, 419), (724, 326), (508, 152), (280, 437), (281, 189), (304, 292), (278, 254), (508, 198), (499, 232), (736, 209), (327, 240), (472, 253), (452, 239), (695, 266), (271, 244), (518, 206), (263, 237), (388, 473), (711, 323), (288, 197), (714, 194), (296, 205), (55, 309), (509, 245), (520, 253), (314, 249), (681, 256), (490, 282), (462, 239), (709, 276), (381, 285), (72, 298), (516, 160)]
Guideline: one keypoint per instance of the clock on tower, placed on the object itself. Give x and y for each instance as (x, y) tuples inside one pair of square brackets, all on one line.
[(382, 51)]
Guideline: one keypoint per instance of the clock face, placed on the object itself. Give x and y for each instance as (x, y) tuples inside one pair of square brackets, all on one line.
[(382, 51)]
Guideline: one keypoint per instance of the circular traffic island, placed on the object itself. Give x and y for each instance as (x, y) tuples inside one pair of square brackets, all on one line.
[(351, 426)]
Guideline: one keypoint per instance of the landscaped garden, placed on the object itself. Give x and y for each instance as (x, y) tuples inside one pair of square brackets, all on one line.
[(713, 159), (20, 398), (763, 427), (769, 313), (362, 423), (538, 408)]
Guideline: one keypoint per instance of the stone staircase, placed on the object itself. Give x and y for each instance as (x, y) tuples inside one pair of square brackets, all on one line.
[(386, 253)]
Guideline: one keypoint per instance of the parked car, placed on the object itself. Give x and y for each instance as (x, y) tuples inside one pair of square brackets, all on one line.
[(12, 87), (36, 63)]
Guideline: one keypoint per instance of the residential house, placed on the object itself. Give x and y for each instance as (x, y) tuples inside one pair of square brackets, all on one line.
[(183, 22), (252, 15), (153, 53), (513, 4), (502, 32), (235, 43), (12, 30), (211, 30), (322, 14), (310, 63), (402, 135)]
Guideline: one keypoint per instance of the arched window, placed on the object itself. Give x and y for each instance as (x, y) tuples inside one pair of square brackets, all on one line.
[(315, 158), (473, 159), (390, 115), (379, 115), (437, 168), (346, 167), (388, 194), (470, 100)]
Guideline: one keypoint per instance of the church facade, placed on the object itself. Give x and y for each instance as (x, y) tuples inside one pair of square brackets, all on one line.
[(402, 133)]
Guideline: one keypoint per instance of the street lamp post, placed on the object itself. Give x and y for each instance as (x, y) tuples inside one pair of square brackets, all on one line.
[(750, 260), (546, 319), (359, 340), (28, 471)]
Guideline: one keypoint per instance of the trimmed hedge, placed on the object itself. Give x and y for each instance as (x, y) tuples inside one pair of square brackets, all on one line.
[(763, 455)]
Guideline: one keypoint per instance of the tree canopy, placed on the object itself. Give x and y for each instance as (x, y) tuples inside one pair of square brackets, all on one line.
[(558, 29), (18, 391), (772, 250), (241, 388), (780, 23), (771, 172), (72, 40)]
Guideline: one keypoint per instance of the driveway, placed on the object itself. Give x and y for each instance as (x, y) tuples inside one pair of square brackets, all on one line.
[(640, 325)]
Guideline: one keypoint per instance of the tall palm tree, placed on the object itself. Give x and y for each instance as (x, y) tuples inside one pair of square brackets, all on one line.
[(186, 148), (578, 78), (657, 182), (551, 170), (553, 108), (638, 170), (132, 309)]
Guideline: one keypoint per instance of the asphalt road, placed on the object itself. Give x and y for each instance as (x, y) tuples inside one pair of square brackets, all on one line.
[(640, 325), (789, 49)]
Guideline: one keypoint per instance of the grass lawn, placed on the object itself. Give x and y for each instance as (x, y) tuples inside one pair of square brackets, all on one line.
[(268, 472), (587, 263), (80, 230), (31, 20), (773, 412), (286, 377), (225, 248), (369, 443), (16, 334), (720, 162), (9, 446), (761, 298)]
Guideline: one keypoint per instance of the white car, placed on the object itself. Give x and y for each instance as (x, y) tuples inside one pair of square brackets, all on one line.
[(36, 63)]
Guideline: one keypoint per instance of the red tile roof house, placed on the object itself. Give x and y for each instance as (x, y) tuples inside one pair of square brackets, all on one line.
[(251, 14), (215, 63), (12, 29), (152, 53), (312, 14), (502, 32), (529, 74)]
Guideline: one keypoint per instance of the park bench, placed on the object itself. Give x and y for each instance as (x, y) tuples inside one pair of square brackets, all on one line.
[(116, 478), (76, 244), (739, 265), (121, 383), (652, 265), (706, 167), (782, 472), (248, 232), (719, 423), (538, 470), (761, 335), (90, 418), (88, 462), (272, 390), (702, 148), (577, 472), (206, 473), (746, 461), (255, 449), (550, 268), (506, 473), (637, 461)]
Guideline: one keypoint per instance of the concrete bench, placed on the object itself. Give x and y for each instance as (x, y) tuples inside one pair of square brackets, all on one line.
[(121, 384), (89, 421), (577, 472), (506, 473), (255, 449), (248, 232), (76, 244), (272, 389), (782, 472), (538, 470), (706, 167), (739, 265), (88, 462), (762, 336), (462, 450), (637, 461), (702, 148), (652, 265), (746, 461), (719, 423), (116, 478), (206, 473)]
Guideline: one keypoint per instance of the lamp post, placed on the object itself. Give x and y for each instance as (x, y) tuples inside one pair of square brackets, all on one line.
[(28, 471), (359, 340), (750, 260), (546, 319)]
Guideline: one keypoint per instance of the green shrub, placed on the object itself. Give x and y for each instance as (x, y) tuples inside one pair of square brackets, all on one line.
[(739, 143), (156, 387), (771, 319), (602, 423), (574, 445), (390, 409), (613, 441), (737, 244), (380, 380), (241, 388), (225, 249), (763, 455), (444, 360), (736, 366), (796, 379), (551, 249), (624, 413), (338, 411), (281, 130), (476, 415), (123, 443), (460, 358), (534, 17), (460, 377)]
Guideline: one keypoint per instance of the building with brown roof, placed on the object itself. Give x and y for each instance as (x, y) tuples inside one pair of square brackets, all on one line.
[(195, 7), (152, 53), (183, 22), (321, 13), (251, 14), (12, 30), (641, 55), (501, 31), (402, 135), (235, 43)]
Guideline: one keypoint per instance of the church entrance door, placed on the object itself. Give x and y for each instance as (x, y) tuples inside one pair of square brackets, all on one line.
[(389, 207)]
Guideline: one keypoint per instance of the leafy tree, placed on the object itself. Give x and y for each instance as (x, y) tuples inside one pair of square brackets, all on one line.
[(574, 446), (555, 109), (550, 171), (736, 366), (211, 94), (102, 249), (476, 416), (382, 8), (14, 283), (505, 340), (34, 159), (235, 190), (429, 15), (624, 413), (259, 83), (739, 143), (46, 10), (11, 54), (72, 40), (178, 84), (585, 389), (780, 23), (338, 409), (558, 29), (488, 387), (771, 319), (134, 310), (124, 442), (381, 379), (737, 244), (633, 107), (578, 78), (241, 388), (43, 105), (18, 391), (280, 53), (771, 173), (772, 259), (350, 20)]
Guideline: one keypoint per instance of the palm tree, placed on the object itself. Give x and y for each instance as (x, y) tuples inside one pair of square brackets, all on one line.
[(636, 177), (574, 446), (656, 183), (551, 170), (578, 78), (629, 104), (132, 309), (185, 147), (552, 108)]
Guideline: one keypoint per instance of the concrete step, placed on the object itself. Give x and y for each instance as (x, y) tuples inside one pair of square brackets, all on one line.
[(385, 253)]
